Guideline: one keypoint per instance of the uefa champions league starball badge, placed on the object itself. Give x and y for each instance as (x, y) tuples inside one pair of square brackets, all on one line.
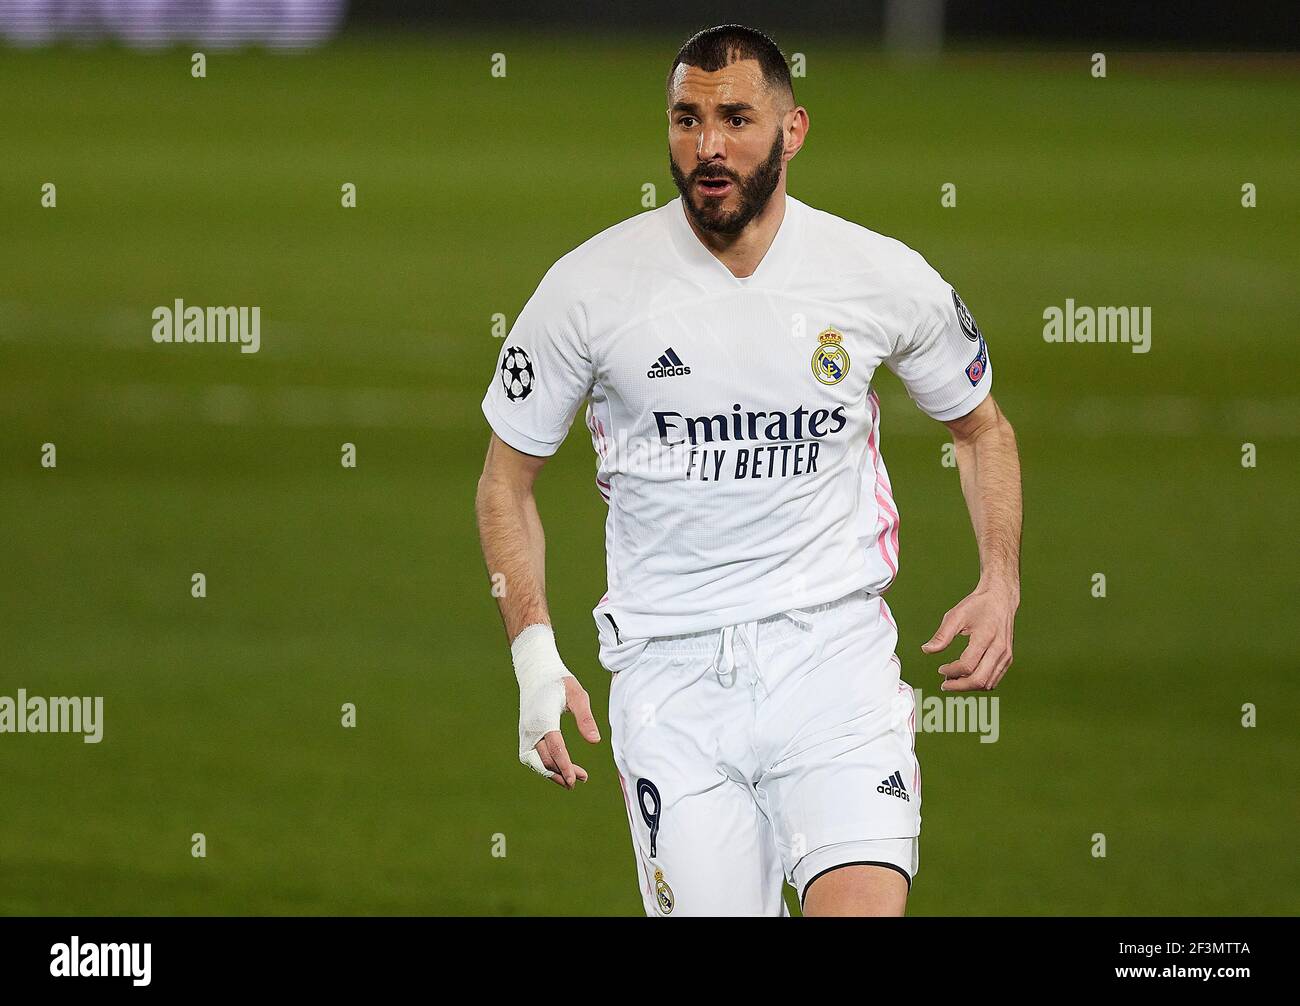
[(830, 360), (965, 319), (517, 375)]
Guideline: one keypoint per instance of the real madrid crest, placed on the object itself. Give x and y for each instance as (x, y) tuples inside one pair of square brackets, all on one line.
[(663, 893), (830, 360)]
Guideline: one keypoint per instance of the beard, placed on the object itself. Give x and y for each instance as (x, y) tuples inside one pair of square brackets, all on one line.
[(754, 191)]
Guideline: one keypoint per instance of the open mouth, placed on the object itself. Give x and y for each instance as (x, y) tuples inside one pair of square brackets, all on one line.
[(714, 186)]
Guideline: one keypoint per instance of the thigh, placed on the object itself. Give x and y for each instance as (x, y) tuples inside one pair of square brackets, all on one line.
[(843, 785), (864, 888), (703, 846)]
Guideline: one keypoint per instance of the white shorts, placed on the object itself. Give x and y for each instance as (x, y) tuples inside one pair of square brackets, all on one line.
[(781, 748)]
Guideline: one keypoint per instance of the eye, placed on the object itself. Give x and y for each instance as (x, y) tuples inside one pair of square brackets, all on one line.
[(737, 121), (686, 121)]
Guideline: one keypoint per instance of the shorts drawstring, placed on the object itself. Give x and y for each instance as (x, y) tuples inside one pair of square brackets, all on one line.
[(724, 657)]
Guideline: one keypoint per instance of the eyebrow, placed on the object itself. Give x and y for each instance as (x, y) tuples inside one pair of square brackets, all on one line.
[(727, 108)]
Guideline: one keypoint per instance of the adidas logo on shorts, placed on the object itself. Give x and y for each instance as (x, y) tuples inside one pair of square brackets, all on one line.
[(669, 364), (893, 786)]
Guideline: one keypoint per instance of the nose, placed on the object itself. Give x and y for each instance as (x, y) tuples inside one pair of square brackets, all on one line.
[(712, 144)]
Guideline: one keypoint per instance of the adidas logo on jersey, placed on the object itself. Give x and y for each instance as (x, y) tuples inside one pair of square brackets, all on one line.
[(893, 786), (669, 364)]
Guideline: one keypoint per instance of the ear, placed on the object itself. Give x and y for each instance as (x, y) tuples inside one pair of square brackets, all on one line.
[(796, 130)]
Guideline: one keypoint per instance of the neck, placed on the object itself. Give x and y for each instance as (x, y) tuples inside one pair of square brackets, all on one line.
[(741, 253)]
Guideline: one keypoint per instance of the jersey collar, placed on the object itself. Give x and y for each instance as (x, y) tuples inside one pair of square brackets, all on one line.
[(774, 268)]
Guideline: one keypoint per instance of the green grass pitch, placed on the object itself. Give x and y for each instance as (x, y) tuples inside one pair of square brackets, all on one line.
[(327, 585)]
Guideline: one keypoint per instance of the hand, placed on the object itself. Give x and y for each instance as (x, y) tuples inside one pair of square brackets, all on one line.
[(546, 690), (549, 757), (988, 617)]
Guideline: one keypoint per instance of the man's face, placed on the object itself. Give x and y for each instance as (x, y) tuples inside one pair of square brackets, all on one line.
[(726, 143)]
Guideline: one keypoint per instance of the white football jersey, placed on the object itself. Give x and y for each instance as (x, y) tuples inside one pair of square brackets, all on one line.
[(736, 432)]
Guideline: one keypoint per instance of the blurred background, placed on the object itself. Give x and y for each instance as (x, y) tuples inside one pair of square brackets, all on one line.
[(482, 143)]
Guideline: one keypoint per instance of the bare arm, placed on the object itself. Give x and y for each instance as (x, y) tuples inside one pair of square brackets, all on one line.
[(989, 466), (514, 547), (510, 531)]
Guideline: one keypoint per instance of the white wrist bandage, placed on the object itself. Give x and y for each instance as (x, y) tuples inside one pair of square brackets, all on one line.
[(540, 673)]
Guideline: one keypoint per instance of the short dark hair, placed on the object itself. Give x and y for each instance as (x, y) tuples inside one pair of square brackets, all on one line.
[(714, 48)]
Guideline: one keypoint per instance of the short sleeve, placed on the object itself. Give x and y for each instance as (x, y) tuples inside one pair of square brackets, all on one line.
[(543, 371), (941, 357)]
